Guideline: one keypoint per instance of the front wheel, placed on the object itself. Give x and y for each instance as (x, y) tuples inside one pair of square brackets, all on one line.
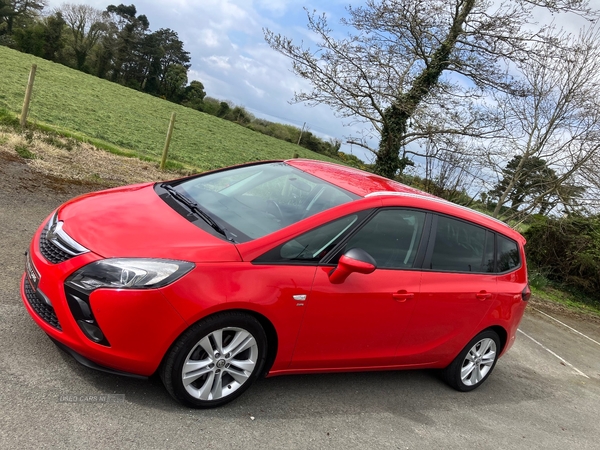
[(215, 360), (475, 363)]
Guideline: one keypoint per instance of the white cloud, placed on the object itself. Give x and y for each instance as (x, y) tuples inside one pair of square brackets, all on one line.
[(208, 38), (258, 92), (218, 62)]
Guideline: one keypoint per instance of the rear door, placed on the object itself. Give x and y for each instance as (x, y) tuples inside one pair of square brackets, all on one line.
[(458, 287)]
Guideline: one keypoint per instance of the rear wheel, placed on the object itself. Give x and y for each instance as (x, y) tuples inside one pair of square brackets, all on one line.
[(215, 360), (475, 363)]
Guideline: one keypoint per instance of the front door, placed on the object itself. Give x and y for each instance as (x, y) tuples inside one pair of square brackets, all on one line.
[(359, 322)]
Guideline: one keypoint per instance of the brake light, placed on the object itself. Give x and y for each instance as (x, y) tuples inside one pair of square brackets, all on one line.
[(526, 294)]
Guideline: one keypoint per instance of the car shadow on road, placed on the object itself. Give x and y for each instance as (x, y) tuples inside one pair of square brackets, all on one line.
[(410, 394)]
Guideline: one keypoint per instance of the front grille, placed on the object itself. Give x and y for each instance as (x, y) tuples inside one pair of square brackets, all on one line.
[(50, 251), (45, 311)]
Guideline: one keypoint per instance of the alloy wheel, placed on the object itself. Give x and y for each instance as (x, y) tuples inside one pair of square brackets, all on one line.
[(478, 362), (220, 363)]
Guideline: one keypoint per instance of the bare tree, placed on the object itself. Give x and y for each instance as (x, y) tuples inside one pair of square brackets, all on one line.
[(87, 25), (448, 169), (557, 123), (402, 56)]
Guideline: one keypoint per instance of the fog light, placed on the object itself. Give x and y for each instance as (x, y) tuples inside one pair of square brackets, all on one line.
[(91, 330), (79, 304)]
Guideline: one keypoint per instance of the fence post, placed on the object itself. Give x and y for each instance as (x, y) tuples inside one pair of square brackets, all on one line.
[(301, 131), (25, 109), (163, 161)]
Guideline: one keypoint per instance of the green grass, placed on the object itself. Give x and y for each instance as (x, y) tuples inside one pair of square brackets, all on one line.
[(128, 122), (572, 301), (24, 152)]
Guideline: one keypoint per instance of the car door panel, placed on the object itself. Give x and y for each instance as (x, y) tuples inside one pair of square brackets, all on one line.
[(446, 315), (357, 323), (458, 288)]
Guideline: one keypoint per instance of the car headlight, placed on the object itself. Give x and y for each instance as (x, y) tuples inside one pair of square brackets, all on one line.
[(129, 273)]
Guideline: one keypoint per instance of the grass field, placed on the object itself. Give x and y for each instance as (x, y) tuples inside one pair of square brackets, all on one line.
[(110, 115)]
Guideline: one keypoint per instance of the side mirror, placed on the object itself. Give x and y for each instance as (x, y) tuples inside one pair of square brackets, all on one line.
[(354, 260)]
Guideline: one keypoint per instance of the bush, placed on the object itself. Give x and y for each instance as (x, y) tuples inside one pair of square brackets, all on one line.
[(289, 133), (567, 251), (538, 279)]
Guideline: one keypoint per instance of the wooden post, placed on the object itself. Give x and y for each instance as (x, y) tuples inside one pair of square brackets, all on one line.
[(25, 109), (301, 131), (167, 142)]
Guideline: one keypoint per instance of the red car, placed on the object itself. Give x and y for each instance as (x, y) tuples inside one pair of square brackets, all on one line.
[(275, 268)]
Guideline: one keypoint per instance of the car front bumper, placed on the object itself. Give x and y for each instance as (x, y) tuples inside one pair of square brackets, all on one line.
[(139, 325)]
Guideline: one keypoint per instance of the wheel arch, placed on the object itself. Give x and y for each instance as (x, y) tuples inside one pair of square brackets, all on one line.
[(502, 334), (272, 338), (267, 325)]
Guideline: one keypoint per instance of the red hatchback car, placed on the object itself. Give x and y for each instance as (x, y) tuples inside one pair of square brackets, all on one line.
[(275, 268)]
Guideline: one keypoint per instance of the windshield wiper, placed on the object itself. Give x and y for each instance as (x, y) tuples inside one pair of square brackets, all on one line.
[(194, 208)]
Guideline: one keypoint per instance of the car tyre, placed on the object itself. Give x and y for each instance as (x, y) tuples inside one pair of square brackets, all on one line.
[(474, 363), (215, 360)]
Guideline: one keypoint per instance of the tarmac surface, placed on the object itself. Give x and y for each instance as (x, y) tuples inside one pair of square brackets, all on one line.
[(544, 393)]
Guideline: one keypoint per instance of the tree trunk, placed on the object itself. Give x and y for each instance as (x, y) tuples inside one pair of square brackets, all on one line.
[(395, 119), (388, 163), (80, 57)]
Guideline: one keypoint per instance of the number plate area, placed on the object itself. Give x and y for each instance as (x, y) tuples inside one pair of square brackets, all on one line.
[(33, 276)]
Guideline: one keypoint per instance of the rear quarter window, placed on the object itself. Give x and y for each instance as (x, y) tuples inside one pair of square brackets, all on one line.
[(508, 254)]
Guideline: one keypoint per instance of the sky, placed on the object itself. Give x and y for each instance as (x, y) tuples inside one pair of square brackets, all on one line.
[(231, 58)]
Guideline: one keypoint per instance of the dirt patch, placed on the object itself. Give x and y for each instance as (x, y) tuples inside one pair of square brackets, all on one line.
[(66, 160), (15, 170)]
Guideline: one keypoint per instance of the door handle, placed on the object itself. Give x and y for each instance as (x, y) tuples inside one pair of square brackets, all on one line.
[(402, 296), (483, 295)]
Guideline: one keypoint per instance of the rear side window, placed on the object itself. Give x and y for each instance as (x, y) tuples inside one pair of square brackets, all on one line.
[(508, 254), (459, 247)]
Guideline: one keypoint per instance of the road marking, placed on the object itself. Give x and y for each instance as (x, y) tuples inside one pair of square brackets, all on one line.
[(554, 354), (570, 328)]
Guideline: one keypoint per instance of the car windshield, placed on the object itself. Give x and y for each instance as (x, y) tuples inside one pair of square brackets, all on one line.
[(253, 201)]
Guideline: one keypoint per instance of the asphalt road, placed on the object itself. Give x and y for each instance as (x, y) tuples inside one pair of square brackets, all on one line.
[(545, 393)]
